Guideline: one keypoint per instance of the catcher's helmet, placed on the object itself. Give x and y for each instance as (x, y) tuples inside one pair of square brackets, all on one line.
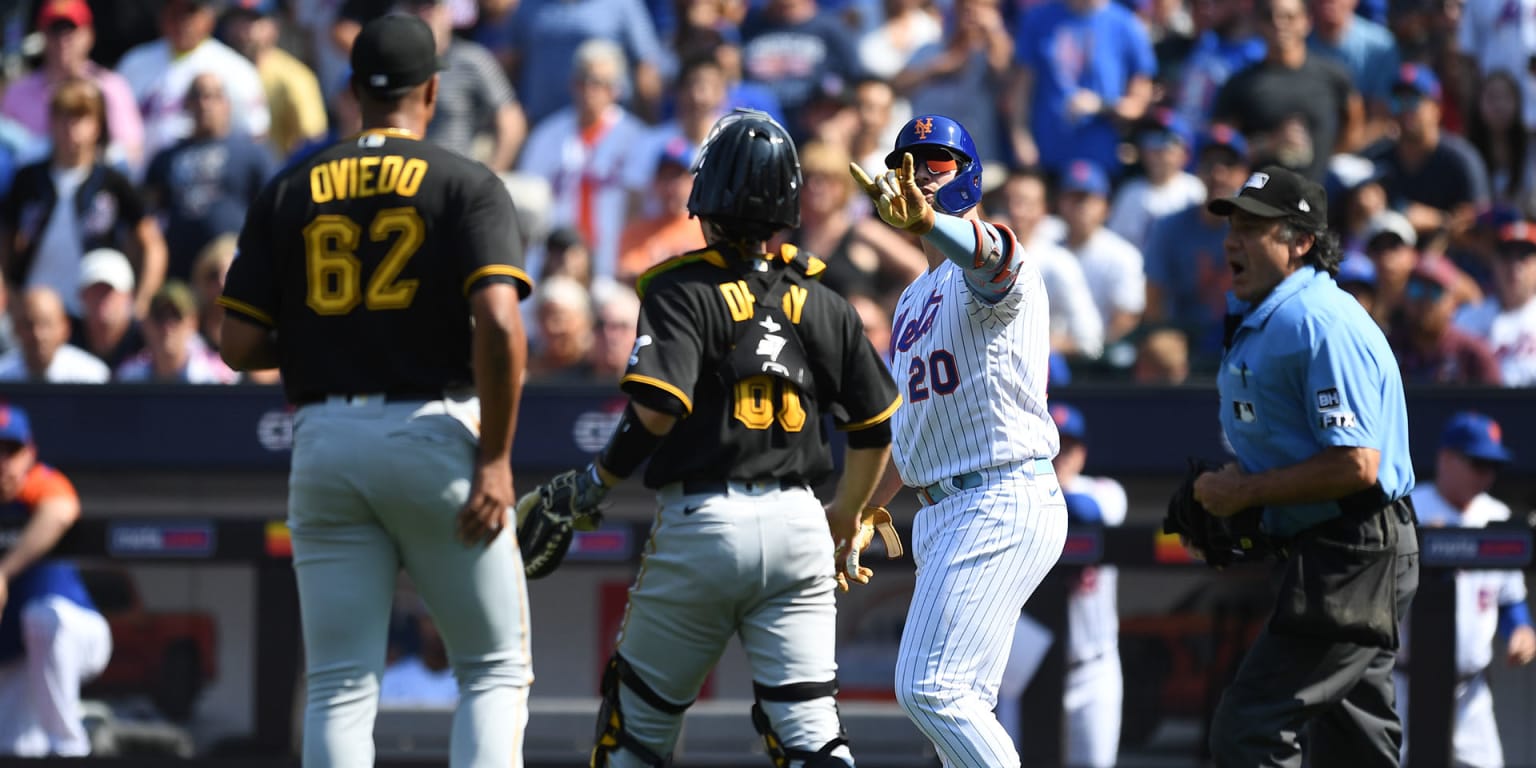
[(964, 191), (747, 175)]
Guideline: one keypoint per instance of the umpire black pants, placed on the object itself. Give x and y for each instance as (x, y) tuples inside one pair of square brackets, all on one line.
[(1339, 694)]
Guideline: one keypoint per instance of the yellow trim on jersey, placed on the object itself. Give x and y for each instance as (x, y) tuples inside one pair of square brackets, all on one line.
[(393, 133), (707, 255), (879, 418), (490, 270), (666, 387), (246, 309)]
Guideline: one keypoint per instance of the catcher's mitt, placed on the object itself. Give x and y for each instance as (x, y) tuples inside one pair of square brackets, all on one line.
[(1221, 541), (549, 515), (873, 520)]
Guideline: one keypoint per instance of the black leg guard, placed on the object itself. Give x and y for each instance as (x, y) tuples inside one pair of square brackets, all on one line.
[(781, 755), (611, 735)]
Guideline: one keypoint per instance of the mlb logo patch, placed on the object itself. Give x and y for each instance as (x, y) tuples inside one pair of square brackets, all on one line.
[(1244, 412), (1256, 181), (1328, 399)]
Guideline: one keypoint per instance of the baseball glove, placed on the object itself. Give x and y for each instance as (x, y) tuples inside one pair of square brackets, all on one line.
[(549, 515), (1220, 541), (874, 520)]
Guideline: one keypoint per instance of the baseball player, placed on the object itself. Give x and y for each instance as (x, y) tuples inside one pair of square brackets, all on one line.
[(359, 273), (52, 639), (1487, 602), (974, 439), (740, 355), (1094, 687)]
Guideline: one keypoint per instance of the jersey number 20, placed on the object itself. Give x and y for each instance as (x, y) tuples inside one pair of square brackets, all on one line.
[(336, 274), (938, 371)]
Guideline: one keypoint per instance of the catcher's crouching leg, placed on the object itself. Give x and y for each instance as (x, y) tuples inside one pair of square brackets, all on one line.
[(797, 712), (612, 737)]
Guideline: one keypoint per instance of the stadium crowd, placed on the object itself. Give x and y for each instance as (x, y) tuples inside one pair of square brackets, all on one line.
[(133, 135)]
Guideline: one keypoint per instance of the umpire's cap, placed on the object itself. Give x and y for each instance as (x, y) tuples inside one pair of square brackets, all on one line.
[(1277, 193), (747, 175), (394, 54)]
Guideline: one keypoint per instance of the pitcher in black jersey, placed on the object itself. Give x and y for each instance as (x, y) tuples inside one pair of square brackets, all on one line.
[(741, 362), (358, 275)]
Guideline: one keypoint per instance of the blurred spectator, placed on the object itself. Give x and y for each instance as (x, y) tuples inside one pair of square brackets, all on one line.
[(1295, 109), (1076, 328), (699, 100), (1435, 178), (617, 311), (423, 679), (1430, 349), (173, 350), (316, 19), (1112, 265), (1499, 135), (1498, 35), (1188, 276), (563, 311), (72, 203), (68, 35), (649, 241), (1367, 51), (42, 350), (582, 151), (1162, 142), (108, 328), (943, 77), (1357, 276), (1355, 198), (130, 24), (52, 639), (208, 273), (346, 119), (546, 35), (1392, 246), (876, 121), (1082, 66), (862, 254), (203, 185), (161, 72), (876, 321), (293, 95), (1506, 321), (909, 25), (796, 49), (1162, 357), (1228, 45), (740, 92), (566, 255), (472, 92)]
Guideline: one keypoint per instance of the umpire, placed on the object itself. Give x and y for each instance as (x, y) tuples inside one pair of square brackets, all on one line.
[(383, 277), (1312, 405)]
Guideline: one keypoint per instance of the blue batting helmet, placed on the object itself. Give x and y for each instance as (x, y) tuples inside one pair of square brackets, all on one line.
[(963, 192)]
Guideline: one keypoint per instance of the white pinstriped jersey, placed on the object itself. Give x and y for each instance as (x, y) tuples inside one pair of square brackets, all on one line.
[(1093, 620), (973, 375)]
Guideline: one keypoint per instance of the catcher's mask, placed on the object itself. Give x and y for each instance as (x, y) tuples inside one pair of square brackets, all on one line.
[(963, 192)]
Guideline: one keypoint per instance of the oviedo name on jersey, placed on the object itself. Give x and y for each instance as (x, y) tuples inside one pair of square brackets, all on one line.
[(349, 178)]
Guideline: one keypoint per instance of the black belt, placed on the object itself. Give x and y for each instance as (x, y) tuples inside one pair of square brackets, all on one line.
[(1071, 665), (389, 397), (720, 487)]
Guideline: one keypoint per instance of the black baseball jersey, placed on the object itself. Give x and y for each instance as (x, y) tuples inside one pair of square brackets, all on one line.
[(363, 259), (752, 354)]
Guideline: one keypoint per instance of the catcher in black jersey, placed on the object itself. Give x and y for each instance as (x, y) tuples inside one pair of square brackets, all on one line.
[(741, 357)]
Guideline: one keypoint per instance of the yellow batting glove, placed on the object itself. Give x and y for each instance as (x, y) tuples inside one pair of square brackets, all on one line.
[(896, 196)]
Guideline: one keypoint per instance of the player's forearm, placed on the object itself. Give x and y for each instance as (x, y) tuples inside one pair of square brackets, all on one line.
[(500, 355), (1332, 474), (890, 484), (50, 521), (862, 468), (978, 249)]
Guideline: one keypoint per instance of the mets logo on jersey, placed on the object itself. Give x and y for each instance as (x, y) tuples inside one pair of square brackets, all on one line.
[(908, 334), (923, 127)]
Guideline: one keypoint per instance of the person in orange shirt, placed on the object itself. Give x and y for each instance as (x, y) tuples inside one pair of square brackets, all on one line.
[(52, 638), (646, 242)]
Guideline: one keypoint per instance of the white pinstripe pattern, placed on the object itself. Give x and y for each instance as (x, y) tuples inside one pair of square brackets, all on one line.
[(997, 414), (980, 554)]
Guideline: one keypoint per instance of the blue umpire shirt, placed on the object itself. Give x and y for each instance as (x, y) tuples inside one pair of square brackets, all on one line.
[(1309, 369)]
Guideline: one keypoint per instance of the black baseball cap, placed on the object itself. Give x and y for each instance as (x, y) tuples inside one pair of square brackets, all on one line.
[(393, 54), (1277, 193)]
